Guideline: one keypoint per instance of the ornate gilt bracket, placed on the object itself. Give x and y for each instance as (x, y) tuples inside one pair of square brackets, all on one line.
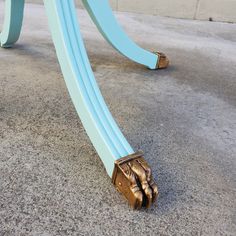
[(132, 177)]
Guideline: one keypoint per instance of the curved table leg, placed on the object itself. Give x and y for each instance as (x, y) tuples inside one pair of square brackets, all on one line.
[(97, 120), (14, 10), (129, 171), (101, 13)]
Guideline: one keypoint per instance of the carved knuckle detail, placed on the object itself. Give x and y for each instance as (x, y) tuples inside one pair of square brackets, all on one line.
[(132, 177)]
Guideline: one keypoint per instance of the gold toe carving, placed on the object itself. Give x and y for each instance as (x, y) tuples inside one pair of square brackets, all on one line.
[(132, 177), (163, 61)]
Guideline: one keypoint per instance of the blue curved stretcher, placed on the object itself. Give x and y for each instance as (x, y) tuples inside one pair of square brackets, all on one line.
[(129, 171)]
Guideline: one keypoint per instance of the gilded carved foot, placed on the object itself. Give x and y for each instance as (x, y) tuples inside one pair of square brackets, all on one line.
[(133, 178), (163, 61)]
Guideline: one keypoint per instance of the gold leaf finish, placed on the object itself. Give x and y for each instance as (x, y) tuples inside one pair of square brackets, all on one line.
[(163, 61), (132, 177)]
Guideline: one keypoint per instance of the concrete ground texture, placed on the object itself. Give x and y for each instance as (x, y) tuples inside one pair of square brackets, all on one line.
[(52, 182)]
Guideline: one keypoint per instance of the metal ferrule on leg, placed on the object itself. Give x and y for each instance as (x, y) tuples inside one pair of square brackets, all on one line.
[(163, 61)]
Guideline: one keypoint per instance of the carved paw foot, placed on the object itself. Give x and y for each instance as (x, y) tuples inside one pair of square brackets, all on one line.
[(132, 177), (163, 61)]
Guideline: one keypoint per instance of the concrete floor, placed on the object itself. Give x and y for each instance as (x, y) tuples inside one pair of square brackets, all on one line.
[(51, 180)]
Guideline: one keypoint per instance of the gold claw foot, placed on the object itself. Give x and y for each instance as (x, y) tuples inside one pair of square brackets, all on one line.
[(163, 61), (132, 177)]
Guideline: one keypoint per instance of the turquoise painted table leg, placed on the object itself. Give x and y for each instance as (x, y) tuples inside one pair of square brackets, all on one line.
[(97, 120), (129, 171), (14, 10), (101, 13)]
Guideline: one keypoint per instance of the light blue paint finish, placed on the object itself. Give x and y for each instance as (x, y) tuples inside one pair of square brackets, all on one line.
[(14, 10), (101, 13), (89, 103), (86, 96)]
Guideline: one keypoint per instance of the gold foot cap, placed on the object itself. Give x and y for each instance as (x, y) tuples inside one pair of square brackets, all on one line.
[(133, 178), (163, 61)]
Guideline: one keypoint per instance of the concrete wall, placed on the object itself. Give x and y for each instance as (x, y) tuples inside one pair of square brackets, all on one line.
[(217, 10)]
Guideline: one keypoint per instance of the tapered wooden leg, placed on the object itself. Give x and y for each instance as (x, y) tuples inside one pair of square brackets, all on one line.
[(89, 103), (129, 171)]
